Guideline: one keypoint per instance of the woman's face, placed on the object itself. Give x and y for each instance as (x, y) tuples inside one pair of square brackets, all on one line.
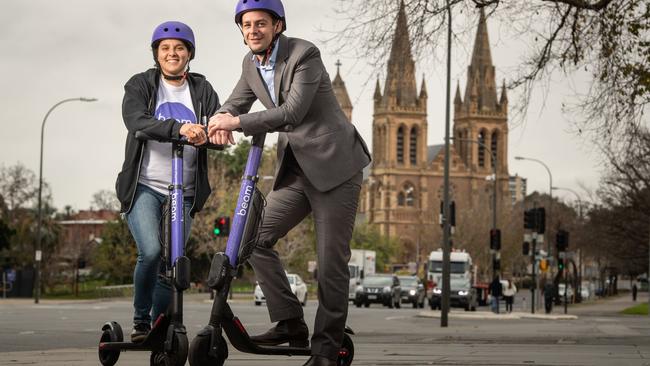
[(173, 56)]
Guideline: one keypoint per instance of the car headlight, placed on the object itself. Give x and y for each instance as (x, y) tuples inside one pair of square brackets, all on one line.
[(463, 293), (437, 290), (412, 292), (387, 289)]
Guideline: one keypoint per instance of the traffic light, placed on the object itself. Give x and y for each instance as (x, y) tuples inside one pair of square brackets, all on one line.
[(529, 219), (562, 240), (560, 264), (222, 226), (535, 219), (495, 239), (543, 265), (526, 248)]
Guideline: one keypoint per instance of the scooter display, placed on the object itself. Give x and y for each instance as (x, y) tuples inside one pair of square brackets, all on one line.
[(209, 347), (167, 340)]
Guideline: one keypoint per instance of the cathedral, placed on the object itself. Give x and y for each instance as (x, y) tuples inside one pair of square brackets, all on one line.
[(403, 188)]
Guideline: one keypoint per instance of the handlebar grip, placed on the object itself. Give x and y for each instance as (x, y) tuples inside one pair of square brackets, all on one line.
[(183, 141)]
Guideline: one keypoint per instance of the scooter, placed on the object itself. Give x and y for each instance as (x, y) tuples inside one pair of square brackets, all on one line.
[(209, 347), (167, 339)]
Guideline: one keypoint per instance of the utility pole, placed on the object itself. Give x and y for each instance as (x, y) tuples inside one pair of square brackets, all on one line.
[(533, 289)]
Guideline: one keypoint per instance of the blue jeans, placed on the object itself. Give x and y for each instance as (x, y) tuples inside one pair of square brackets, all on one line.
[(144, 221)]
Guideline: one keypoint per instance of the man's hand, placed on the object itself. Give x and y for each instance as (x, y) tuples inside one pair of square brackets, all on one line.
[(195, 133), (220, 128)]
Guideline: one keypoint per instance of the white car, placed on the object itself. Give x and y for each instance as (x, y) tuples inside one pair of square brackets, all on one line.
[(298, 287)]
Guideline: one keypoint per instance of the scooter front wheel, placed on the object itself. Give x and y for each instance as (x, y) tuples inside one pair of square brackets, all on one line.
[(176, 357), (346, 353), (200, 351), (111, 332)]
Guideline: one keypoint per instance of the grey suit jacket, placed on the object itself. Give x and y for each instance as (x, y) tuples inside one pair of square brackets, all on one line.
[(326, 145)]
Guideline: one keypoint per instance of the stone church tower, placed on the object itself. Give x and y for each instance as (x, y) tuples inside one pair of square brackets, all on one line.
[(403, 191)]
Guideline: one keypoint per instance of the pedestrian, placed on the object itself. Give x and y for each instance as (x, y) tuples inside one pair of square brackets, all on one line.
[(634, 290), (496, 290), (509, 295), (166, 101), (549, 293), (320, 161)]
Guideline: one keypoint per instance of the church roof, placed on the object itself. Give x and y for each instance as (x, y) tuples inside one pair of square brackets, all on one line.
[(340, 91), (433, 151)]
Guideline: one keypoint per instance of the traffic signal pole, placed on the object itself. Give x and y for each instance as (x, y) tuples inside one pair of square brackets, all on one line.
[(533, 289)]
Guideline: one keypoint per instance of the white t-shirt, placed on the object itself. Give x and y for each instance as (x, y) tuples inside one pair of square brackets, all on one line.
[(156, 170)]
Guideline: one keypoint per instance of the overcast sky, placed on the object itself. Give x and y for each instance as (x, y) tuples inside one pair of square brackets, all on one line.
[(52, 50)]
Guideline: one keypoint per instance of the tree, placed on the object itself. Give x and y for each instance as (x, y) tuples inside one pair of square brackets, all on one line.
[(367, 236), (115, 257), (19, 187), (606, 38), (105, 200)]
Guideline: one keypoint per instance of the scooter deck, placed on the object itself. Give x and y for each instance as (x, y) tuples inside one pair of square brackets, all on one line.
[(153, 342), (240, 339)]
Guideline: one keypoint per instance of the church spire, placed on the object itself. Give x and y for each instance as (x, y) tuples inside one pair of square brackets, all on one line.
[(480, 92), (400, 89), (341, 92)]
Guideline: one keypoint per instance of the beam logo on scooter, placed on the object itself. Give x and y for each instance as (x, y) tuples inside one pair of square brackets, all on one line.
[(248, 192)]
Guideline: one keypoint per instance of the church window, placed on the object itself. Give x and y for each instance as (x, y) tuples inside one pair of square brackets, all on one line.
[(408, 193), (494, 144), (413, 146), (481, 149), (400, 199), (400, 145)]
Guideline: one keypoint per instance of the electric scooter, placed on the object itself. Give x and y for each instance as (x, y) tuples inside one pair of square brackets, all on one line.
[(167, 339), (209, 347)]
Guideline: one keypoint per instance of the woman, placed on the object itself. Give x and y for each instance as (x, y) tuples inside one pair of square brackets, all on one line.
[(509, 294), (166, 101)]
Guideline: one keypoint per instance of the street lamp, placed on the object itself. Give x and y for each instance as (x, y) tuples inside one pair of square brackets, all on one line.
[(550, 192), (37, 252)]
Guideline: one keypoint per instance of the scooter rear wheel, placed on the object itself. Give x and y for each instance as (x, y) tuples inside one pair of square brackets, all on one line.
[(110, 333), (346, 354), (177, 357), (200, 351)]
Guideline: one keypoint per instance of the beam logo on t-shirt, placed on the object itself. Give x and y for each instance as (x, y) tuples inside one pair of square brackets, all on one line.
[(175, 110)]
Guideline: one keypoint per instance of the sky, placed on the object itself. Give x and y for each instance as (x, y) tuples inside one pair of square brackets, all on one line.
[(53, 50)]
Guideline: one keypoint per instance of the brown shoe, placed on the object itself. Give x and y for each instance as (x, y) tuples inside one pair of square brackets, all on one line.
[(292, 331), (319, 361)]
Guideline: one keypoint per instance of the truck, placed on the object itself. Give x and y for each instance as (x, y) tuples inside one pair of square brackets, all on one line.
[(461, 275), (362, 263)]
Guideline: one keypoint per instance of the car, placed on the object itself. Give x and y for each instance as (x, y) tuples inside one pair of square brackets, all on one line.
[(379, 288), (412, 291), (569, 293), (298, 287), (462, 295)]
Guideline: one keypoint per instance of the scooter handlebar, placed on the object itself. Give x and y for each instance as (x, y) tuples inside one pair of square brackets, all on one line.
[(183, 141)]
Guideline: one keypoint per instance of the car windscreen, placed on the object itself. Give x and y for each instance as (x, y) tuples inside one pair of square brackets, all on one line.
[(408, 281), (456, 267), (292, 280), (377, 281)]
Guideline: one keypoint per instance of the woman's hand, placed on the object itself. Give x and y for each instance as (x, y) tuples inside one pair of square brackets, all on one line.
[(195, 133)]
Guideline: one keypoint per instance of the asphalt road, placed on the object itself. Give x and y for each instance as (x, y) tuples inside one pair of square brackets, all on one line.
[(66, 333)]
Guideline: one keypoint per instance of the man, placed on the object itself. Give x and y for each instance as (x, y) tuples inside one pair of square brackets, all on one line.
[(496, 290), (319, 171)]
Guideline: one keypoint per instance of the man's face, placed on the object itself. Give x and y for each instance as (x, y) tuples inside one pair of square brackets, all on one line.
[(258, 29), (173, 56)]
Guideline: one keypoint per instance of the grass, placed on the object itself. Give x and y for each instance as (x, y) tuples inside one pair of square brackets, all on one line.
[(641, 309)]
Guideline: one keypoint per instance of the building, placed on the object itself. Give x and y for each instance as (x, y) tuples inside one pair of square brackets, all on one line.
[(403, 190)]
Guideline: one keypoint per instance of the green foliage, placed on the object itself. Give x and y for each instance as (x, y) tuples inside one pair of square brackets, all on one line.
[(367, 236), (115, 257), (6, 232)]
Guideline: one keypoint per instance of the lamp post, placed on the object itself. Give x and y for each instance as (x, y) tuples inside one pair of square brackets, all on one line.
[(550, 192), (37, 251), (578, 286)]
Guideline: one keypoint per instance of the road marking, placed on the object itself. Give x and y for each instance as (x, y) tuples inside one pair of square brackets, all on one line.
[(28, 332)]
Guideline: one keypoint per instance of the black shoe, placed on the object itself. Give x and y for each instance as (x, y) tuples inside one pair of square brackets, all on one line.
[(319, 361), (140, 331), (293, 331)]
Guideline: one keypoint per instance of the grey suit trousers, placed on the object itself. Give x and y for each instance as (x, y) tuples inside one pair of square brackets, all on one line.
[(334, 213)]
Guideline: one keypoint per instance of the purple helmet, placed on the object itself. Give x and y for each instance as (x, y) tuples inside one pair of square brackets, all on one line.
[(272, 6), (174, 30)]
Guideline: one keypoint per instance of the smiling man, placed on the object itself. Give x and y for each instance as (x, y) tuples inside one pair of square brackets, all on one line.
[(319, 172)]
